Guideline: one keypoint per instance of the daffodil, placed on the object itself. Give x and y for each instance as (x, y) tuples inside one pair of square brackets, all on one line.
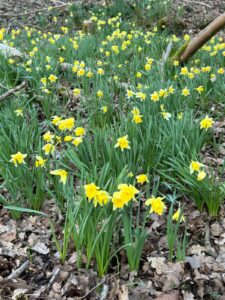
[(48, 148), (142, 178), (130, 93), (76, 92), (62, 173), (55, 120), (200, 89), (166, 115), (135, 111), (123, 143), (68, 138), (142, 96), (81, 72), (185, 92), (100, 93), (52, 78), (206, 123), (155, 97), (104, 109), (40, 162), (117, 200), (195, 166), (128, 192), (91, 190), (137, 119), (201, 175), (176, 216), (79, 131), (77, 141), (157, 205), (66, 124), (48, 137), (18, 158), (101, 198), (19, 112)]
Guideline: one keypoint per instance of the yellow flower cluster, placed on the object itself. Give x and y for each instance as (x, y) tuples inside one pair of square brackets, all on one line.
[(125, 193), (137, 118), (94, 193), (196, 166)]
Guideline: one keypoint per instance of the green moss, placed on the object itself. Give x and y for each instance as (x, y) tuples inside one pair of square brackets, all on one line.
[(178, 53)]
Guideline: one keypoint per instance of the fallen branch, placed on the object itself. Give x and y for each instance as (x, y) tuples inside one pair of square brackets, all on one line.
[(53, 278), (16, 273), (13, 91), (34, 11), (204, 36), (198, 2)]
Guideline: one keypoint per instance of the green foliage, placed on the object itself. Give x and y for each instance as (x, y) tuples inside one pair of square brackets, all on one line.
[(177, 243)]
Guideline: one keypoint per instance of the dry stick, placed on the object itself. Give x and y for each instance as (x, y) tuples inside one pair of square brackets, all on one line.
[(53, 278), (34, 11), (13, 91), (203, 37), (19, 271), (198, 2), (96, 286)]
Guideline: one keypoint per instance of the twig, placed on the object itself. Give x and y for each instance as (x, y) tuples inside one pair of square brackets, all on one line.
[(34, 11), (19, 271), (13, 91), (53, 278), (4, 87), (198, 2), (96, 286)]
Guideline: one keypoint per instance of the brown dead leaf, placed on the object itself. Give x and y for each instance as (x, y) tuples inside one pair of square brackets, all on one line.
[(157, 263), (216, 229), (173, 276), (8, 236), (196, 249)]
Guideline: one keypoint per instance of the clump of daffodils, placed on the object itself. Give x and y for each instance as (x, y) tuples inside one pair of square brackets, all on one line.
[(120, 198), (93, 193), (198, 167), (125, 194)]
